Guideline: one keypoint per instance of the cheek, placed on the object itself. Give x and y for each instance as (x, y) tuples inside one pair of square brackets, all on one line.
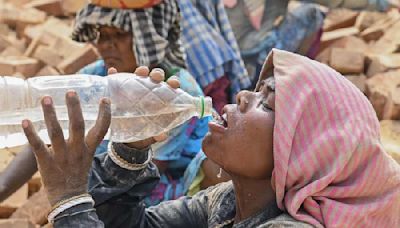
[(251, 150)]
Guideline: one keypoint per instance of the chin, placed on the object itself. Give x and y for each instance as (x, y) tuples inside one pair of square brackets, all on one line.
[(211, 149)]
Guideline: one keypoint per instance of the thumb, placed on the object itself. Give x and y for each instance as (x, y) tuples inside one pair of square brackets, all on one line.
[(111, 70)]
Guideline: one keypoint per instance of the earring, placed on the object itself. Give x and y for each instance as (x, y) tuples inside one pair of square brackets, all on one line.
[(219, 175)]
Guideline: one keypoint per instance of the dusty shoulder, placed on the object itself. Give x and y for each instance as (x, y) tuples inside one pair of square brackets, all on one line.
[(285, 221), (218, 193)]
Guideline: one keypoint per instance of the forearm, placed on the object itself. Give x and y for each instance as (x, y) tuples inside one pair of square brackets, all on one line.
[(17, 173), (379, 5), (118, 192)]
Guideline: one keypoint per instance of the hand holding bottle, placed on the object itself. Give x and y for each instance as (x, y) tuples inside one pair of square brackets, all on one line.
[(65, 165)]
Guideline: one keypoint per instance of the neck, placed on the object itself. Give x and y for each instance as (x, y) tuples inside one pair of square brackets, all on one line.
[(252, 196)]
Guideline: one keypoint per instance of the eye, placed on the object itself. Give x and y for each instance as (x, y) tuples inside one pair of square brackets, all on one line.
[(265, 107)]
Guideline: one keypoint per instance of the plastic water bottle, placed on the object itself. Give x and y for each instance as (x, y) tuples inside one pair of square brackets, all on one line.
[(140, 107)]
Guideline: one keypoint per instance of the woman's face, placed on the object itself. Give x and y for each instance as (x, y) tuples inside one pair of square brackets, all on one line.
[(243, 145), (115, 47)]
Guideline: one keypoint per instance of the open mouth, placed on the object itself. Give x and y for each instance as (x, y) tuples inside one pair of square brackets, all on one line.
[(220, 120)]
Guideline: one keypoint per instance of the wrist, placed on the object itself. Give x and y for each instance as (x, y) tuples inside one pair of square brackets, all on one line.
[(55, 198)]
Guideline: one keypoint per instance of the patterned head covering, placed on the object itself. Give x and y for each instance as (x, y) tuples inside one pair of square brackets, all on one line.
[(330, 167), (156, 31)]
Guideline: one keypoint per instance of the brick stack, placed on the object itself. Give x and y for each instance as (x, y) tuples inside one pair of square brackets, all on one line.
[(34, 38), (364, 46)]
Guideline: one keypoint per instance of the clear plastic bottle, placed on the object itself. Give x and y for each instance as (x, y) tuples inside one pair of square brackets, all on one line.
[(140, 107)]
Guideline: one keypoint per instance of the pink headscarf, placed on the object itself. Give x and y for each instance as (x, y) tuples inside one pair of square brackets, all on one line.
[(330, 167)]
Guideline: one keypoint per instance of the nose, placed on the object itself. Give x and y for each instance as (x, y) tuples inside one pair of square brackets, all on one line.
[(243, 99)]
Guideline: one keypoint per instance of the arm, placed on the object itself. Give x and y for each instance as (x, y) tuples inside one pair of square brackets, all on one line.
[(119, 194), (17, 173), (380, 5)]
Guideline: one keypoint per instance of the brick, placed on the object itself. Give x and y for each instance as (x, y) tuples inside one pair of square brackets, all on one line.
[(4, 29), (48, 31), (367, 18), (73, 6), (11, 41), (346, 61), (383, 63), (78, 60), (349, 42), (5, 158), (48, 71), (67, 47), (383, 91), (35, 183), (377, 30), (390, 138), (13, 202), (35, 209), (51, 7), (11, 51), (47, 55), (25, 66), (359, 81), (16, 223), (12, 15), (340, 18), (328, 38)]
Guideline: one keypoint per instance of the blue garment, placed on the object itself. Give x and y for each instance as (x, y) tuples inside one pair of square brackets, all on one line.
[(210, 45), (179, 149)]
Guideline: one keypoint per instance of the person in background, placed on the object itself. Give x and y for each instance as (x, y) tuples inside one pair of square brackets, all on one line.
[(260, 25), (126, 38), (303, 150), (212, 53)]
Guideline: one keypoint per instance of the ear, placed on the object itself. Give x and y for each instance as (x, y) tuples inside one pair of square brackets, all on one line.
[(267, 70)]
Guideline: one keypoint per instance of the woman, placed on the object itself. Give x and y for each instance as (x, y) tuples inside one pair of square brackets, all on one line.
[(126, 39), (260, 25), (212, 53), (303, 150)]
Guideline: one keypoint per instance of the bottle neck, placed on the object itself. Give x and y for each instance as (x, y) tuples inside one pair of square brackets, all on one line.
[(203, 106)]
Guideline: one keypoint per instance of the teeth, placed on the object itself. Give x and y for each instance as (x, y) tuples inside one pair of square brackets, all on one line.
[(217, 118)]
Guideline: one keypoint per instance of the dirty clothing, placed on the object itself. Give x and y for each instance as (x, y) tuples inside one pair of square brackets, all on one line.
[(211, 49), (119, 194)]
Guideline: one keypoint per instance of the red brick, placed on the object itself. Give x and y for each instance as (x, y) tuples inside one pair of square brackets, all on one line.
[(347, 62), (48, 71), (340, 18), (35, 209), (383, 63), (47, 55), (73, 6), (390, 138), (359, 81), (383, 91), (23, 65), (51, 7), (75, 62), (329, 37), (16, 223), (15, 201)]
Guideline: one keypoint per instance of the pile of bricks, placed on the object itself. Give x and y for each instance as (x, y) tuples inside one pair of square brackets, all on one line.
[(35, 41), (34, 38), (365, 47)]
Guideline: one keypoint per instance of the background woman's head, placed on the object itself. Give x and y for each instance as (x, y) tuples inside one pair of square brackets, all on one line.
[(154, 35)]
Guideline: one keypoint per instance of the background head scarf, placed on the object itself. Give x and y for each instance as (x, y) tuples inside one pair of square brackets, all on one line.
[(330, 168), (156, 31)]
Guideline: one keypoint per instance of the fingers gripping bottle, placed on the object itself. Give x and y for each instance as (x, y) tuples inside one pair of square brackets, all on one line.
[(140, 108)]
